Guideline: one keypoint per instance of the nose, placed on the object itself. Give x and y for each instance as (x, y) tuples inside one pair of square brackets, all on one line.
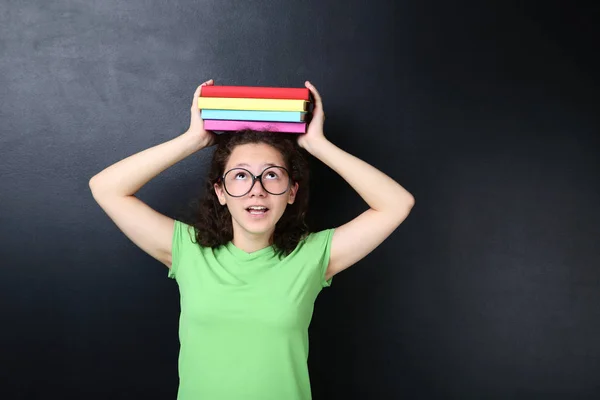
[(257, 189)]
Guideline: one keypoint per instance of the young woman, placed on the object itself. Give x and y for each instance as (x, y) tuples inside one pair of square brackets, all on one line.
[(248, 269)]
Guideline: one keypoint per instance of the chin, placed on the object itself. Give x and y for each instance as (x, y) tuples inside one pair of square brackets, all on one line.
[(257, 225)]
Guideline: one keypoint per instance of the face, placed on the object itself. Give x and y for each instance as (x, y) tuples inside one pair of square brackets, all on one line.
[(258, 211)]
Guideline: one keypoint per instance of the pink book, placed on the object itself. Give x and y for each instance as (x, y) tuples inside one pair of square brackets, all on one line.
[(229, 125)]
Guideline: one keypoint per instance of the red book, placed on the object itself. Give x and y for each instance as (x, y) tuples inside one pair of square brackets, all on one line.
[(256, 92)]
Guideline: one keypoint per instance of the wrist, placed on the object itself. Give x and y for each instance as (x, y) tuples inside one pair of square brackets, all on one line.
[(192, 142), (313, 146)]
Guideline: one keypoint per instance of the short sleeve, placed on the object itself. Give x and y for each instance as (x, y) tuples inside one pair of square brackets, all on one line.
[(181, 238), (320, 245)]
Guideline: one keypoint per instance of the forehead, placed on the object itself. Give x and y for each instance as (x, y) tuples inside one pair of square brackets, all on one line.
[(254, 155)]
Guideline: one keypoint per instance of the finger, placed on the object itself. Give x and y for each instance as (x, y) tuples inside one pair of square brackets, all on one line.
[(198, 93), (195, 99), (316, 95)]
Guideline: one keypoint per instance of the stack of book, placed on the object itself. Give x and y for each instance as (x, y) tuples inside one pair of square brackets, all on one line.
[(233, 108)]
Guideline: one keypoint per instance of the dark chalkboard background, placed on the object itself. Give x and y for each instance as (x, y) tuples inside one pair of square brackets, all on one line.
[(487, 114)]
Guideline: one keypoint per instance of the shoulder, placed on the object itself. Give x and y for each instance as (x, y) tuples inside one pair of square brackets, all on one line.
[(183, 226), (316, 241), (183, 245), (183, 232), (318, 236), (316, 252)]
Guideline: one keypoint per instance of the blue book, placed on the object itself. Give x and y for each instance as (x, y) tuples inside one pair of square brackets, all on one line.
[(250, 115)]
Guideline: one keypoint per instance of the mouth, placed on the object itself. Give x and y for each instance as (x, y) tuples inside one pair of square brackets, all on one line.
[(257, 210)]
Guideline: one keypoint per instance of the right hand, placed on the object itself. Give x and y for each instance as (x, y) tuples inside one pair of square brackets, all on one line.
[(196, 129)]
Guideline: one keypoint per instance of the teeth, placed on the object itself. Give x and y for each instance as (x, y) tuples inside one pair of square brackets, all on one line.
[(257, 208)]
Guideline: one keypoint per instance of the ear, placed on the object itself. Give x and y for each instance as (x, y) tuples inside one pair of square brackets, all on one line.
[(220, 194), (293, 192)]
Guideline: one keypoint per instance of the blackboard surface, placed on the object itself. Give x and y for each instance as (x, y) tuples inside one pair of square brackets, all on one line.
[(487, 114)]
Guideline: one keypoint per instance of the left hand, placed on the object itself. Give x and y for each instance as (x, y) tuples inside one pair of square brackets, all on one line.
[(314, 132)]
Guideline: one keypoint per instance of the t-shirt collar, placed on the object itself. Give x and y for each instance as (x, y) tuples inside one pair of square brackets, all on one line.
[(242, 255)]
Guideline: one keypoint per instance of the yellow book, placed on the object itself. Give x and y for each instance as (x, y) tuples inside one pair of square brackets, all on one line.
[(234, 103)]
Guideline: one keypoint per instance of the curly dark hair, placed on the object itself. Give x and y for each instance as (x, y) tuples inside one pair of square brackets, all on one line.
[(212, 221)]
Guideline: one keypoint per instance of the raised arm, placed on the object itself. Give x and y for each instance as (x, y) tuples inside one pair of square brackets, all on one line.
[(389, 202), (114, 188)]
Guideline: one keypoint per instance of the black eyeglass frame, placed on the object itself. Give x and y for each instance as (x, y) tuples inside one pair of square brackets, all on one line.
[(257, 178)]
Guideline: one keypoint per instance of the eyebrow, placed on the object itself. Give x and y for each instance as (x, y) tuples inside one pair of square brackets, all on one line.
[(247, 165)]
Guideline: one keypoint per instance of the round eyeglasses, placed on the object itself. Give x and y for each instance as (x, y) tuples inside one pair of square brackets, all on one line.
[(239, 182)]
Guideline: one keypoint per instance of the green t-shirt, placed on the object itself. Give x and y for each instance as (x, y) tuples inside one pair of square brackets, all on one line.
[(244, 320)]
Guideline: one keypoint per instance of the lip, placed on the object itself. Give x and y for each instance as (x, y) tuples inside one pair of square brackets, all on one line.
[(258, 215)]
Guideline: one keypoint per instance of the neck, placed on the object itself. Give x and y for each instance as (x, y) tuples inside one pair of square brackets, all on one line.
[(251, 242)]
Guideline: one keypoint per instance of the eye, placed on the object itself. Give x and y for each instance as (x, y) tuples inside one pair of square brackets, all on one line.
[(241, 175), (272, 175)]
